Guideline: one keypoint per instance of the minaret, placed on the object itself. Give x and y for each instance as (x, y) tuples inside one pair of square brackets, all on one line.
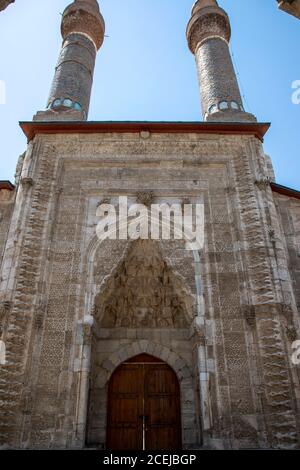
[(208, 35), (82, 29)]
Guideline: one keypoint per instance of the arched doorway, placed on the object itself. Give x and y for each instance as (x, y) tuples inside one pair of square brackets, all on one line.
[(144, 406)]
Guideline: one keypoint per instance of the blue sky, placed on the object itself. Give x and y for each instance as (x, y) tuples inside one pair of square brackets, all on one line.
[(145, 71)]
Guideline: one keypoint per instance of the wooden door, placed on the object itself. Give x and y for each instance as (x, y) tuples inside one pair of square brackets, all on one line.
[(125, 394), (144, 406)]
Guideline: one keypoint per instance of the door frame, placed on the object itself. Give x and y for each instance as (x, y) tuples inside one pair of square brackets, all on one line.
[(187, 374)]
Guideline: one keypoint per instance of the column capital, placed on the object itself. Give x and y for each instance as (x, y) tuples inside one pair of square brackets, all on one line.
[(83, 16), (207, 20)]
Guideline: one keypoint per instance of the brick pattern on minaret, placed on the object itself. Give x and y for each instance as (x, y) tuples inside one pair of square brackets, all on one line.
[(208, 35), (82, 30)]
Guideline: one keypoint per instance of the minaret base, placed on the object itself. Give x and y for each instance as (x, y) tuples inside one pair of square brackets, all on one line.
[(226, 116), (51, 115)]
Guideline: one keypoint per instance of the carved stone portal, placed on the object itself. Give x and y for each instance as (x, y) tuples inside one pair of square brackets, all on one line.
[(143, 292)]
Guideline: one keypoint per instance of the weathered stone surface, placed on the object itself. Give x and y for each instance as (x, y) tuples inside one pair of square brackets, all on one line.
[(290, 6), (288, 209), (73, 307), (233, 363), (143, 292), (6, 207)]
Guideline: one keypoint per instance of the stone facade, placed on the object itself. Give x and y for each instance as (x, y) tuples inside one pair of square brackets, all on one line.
[(228, 336), (6, 207), (74, 307), (290, 6), (4, 4), (288, 209)]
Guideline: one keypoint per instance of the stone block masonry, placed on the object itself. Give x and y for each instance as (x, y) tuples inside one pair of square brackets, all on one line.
[(231, 354)]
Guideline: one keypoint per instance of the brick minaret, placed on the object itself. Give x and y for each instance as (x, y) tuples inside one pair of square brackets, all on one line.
[(208, 35), (82, 30)]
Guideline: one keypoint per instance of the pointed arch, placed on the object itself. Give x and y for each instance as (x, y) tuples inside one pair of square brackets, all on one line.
[(94, 288), (144, 290), (187, 382), (102, 260), (174, 360)]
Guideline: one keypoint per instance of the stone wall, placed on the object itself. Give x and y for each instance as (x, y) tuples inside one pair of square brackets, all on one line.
[(151, 310), (235, 344), (289, 215), (6, 207)]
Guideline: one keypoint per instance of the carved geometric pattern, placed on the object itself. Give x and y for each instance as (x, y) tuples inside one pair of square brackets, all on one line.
[(143, 292), (278, 395), (12, 374)]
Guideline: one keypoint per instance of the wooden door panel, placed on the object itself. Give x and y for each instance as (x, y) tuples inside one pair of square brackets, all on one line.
[(124, 411), (144, 387), (124, 439), (161, 380), (126, 379), (124, 427), (163, 439), (162, 407), (162, 411)]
